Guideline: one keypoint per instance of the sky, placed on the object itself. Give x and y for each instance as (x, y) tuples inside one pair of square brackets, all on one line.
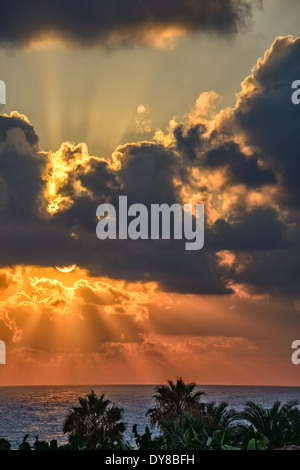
[(183, 102)]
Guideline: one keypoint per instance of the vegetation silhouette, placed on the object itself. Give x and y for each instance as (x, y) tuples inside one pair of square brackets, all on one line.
[(173, 400), (95, 420), (183, 420)]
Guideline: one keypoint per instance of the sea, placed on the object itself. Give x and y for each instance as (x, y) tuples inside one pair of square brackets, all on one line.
[(41, 410)]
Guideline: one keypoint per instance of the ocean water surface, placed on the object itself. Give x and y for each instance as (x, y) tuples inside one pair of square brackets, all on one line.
[(41, 410)]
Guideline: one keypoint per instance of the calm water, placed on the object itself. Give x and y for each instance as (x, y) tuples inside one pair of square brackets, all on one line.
[(40, 410)]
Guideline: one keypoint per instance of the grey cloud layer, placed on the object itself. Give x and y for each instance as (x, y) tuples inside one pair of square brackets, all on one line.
[(92, 22)]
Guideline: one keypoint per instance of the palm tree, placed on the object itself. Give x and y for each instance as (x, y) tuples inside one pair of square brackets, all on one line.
[(173, 400), (218, 416), (272, 422), (94, 421)]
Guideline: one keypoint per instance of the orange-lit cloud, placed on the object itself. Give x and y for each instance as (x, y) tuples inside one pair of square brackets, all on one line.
[(70, 328), (64, 167)]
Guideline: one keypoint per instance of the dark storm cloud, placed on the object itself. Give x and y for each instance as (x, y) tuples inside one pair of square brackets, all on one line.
[(266, 232), (257, 230), (27, 236), (14, 122), (220, 152), (241, 169), (21, 168), (273, 271), (146, 176), (189, 143), (92, 22), (270, 124), (147, 173), (269, 119), (165, 262)]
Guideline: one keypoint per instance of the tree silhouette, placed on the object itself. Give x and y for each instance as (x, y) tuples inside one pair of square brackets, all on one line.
[(173, 400), (94, 421), (273, 422), (219, 416)]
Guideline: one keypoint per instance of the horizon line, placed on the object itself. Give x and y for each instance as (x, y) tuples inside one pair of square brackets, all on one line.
[(144, 385)]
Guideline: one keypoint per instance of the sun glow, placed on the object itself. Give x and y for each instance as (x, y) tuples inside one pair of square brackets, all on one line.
[(66, 269), (67, 161)]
